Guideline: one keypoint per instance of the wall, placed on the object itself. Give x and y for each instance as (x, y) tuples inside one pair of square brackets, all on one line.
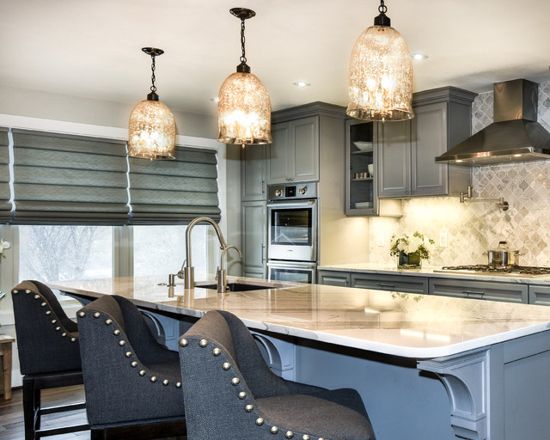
[(58, 107), (472, 228)]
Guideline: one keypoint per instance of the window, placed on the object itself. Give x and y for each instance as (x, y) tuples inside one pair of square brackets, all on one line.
[(50, 253), (160, 250)]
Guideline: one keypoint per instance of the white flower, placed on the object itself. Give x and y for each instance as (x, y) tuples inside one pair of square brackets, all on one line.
[(5, 244), (414, 244), (401, 246)]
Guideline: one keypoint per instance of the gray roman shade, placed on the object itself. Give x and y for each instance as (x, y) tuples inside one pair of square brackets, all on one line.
[(174, 191), (5, 206), (69, 179)]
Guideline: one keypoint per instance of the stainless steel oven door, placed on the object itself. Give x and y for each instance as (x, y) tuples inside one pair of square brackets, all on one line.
[(292, 230), (292, 271)]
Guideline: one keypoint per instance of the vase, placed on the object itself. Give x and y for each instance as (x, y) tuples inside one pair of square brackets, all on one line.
[(409, 261)]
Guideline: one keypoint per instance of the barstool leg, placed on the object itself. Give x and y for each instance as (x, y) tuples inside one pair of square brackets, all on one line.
[(29, 407), (97, 434)]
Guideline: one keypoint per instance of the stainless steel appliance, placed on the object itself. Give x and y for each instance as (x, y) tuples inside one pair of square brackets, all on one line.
[(530, 271), (297, 271), (514, 136), (292, 214)]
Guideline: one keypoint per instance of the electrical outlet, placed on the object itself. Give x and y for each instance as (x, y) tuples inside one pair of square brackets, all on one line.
[(443, 238)]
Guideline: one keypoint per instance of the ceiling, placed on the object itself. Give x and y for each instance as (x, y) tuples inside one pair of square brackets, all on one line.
[(91, 48)]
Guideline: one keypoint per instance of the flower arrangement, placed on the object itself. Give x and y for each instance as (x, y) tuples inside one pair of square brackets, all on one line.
[(411, 249), (3, 246)]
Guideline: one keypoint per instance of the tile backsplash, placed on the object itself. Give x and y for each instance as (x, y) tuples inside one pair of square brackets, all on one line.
[(471, 228)]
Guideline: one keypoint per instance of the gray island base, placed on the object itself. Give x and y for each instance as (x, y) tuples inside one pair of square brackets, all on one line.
[(427, 367)]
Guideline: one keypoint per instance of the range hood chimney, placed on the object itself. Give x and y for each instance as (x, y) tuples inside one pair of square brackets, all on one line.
[(514, 136)]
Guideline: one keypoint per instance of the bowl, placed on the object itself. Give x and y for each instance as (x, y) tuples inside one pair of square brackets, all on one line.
[(364, 146)]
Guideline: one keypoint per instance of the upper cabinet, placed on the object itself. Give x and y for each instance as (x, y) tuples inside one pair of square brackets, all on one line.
[(407, 150), (294, 153), (253, 172)]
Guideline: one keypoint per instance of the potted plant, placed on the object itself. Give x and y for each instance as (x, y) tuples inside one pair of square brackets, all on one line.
[(411, 250)]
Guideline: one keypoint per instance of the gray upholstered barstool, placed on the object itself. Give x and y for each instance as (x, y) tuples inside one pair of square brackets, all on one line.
[(49, 356), (230, 393), (130, 379)]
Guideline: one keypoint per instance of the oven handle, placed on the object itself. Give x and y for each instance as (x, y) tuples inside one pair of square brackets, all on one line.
[(292, 205)]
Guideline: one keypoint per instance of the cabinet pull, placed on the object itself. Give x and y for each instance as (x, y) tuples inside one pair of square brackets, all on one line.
[(263, 188), (262, 247), (473, 293), (387, 286)]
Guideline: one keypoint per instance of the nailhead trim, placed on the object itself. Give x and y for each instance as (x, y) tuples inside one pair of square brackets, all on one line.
[(242, 395), (216, 351), (122, 342), (54, 321), (165, 382), (48, 312), (289, 434), (36, 296), (274, 430), (81, 314), (249, 408), (73, 339), (153, 379), (15, 292), (128, 354), (226, 366), (305, 437), (108, 321), (178, 384), (116, 332), (184, 342), (203, 343), (133, 364), (27, 291), (97, 315), (57, 329), (259, 421), (43, 304), (235, 381), (142, 372)]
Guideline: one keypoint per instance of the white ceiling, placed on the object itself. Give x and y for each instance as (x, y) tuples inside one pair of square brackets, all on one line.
[(91, 48)]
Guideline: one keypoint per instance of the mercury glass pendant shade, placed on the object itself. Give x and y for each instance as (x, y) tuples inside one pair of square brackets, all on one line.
[(152, 126), (151, 131), (244, 110), (380, 76)]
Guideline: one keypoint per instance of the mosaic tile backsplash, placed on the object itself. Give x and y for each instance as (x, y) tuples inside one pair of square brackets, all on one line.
[(473, 227)]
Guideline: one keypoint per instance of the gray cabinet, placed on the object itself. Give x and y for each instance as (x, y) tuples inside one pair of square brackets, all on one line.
[(253, 173), (494, 291), (294, 153), (397, 283), (407, 165), (334, 278), (539, 295), (394, 159), (254, 238)]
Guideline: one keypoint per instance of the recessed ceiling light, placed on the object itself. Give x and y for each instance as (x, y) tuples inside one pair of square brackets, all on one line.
[(301, 84), (215, 99), (419, 56)]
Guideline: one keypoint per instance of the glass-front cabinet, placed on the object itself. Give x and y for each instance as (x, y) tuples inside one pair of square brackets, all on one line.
[(361, 168)]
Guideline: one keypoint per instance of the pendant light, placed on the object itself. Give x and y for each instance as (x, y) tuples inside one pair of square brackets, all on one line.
[(380, 73), (152, 127), (244, 107)]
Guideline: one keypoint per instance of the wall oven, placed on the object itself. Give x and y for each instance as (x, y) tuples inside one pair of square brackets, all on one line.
[(292, 214)]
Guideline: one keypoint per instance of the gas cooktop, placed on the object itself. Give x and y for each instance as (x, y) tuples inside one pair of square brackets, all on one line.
[(485, 269)]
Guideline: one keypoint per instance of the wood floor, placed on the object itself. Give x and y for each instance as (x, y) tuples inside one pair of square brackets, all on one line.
[(11, 414)]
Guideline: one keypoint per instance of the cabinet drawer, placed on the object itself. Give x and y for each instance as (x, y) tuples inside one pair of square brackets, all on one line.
[(508, 292), (336, 278), (398, 283), (539, 295)]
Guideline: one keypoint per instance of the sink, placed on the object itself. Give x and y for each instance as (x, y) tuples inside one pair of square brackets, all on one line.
[(236, 287)]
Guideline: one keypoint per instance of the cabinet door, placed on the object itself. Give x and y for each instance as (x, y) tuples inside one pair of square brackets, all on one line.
[(303, 164), (254, 235), (539, 295), (394, 159), (334, 278), (494, 291), (278, 153), (394, 283), (429, 140), (253, 172)]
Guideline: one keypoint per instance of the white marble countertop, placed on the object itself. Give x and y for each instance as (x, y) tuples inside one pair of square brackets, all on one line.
[(432, 272), (400, 324)]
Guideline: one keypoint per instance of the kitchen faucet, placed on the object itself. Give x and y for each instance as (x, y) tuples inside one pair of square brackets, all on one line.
[(187, 271)]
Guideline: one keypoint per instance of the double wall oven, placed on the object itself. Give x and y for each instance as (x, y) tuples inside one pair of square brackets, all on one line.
[(292, 214)]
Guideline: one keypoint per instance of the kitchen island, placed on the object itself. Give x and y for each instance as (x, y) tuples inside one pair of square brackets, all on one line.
[(427, 367)]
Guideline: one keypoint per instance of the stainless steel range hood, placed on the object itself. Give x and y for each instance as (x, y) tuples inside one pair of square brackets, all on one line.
[(515, 136)]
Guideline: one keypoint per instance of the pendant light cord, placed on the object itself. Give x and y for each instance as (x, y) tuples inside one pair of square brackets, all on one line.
[(153, 78), (382, 8), (243, 41)]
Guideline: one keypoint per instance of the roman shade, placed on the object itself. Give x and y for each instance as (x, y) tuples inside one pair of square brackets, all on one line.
[(69, 179), (175, 191), (5, 206)]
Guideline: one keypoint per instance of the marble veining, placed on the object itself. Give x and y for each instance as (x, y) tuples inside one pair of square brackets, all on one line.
[(395, 323), (435, 272)]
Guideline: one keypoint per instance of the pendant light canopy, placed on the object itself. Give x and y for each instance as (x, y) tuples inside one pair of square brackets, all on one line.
[(380, 73), (152, 127), (244, 107)]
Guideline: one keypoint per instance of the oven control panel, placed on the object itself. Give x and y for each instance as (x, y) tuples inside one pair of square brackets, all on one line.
[(305, 190)]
